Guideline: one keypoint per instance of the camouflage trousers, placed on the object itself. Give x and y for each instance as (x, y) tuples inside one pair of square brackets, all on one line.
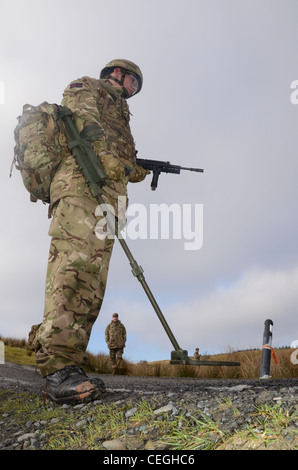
[(75, 285), (116, 359)]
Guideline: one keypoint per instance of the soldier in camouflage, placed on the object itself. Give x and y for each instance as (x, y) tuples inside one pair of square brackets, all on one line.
[(115, 336), (79, 260)]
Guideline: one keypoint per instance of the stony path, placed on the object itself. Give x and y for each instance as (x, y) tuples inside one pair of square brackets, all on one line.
[(231, 404)]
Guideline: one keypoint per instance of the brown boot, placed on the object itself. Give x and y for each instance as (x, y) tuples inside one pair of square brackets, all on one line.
[(71, 385)]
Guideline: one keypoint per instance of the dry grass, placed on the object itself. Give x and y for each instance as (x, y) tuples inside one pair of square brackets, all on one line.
[(249, 368), (250, 360), (13, 342)]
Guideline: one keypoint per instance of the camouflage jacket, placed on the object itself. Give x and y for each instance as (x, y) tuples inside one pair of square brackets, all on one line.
[(97, 102), (115, 335)]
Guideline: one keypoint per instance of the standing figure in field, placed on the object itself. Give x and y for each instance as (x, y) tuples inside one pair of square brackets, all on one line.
[(115, 336)]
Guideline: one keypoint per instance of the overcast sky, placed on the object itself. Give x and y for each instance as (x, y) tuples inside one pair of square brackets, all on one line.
[(216, 95)]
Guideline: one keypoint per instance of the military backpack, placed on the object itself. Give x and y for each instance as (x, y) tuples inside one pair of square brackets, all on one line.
[(38, 149)]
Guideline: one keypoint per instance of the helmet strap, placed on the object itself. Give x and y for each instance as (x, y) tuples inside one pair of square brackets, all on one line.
[(121, 83)]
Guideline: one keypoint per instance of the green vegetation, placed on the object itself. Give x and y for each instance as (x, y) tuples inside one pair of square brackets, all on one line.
[(88, 428), (271, 426)]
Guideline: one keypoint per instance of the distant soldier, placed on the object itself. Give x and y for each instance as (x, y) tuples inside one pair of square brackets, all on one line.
[(196, 354), (115, 336)]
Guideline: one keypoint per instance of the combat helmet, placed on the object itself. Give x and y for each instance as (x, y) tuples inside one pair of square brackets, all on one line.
[(126, 66)]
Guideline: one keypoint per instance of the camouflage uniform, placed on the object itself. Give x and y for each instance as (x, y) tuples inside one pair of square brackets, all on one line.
[(78, 260), (197, 354), (115, 336)]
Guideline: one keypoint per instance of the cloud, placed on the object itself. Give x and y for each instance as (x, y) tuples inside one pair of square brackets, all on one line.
[(234, 314), (230, 316)]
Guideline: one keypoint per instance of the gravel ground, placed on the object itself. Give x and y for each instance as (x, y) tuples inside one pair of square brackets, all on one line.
[(231, 405)]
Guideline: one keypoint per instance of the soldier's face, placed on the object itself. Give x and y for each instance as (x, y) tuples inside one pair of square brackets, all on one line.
[(131, 83)]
